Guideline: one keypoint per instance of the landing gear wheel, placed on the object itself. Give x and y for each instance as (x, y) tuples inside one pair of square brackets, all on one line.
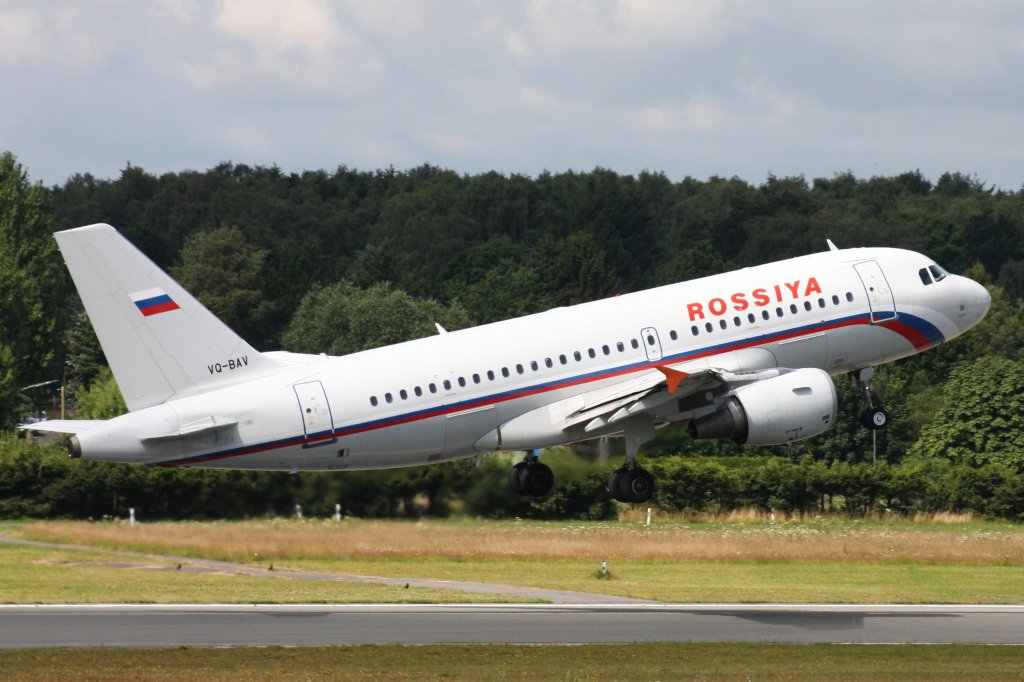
[(874, 418), (631, 485), (515, 476), (531, 478)]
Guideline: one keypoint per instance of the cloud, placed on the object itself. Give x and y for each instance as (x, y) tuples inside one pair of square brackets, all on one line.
[(280, 24)]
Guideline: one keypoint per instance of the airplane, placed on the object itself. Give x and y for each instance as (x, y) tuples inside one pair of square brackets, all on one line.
[(747, 355)]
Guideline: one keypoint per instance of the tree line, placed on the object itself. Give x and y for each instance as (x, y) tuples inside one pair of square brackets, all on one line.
[(337, 261)]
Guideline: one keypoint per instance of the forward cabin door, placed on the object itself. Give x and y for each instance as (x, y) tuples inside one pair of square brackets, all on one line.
[(317, 420), (883, 306)]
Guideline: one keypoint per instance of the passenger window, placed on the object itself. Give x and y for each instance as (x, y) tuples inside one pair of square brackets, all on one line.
[(707, 325), (635, 343), (432, 388), (723, 324), (792, 308), (606, 350), (476, 378), (737, 321), (417, 390), (694, 330), (778, 312), (672, 335), (750, 318), (504, 372), (462, 381), (447, 385), (373, 400), (620, 346), (490, 375), (388, 398), (562, 359), (849, 297), (548, 363), (519, 369), (821, 303), (591, 353), (403, 395), (807, 306), (577, 356), (765, 314), (533, 365)]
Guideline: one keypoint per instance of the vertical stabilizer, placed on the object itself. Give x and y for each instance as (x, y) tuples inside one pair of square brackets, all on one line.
[(160, 342)]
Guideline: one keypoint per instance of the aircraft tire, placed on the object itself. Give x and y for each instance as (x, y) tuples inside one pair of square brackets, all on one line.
[(515, 478), (874, 418), (638, 484), (537, 479)]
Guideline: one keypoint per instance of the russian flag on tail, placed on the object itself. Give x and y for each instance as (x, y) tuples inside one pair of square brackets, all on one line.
[(153, 301)]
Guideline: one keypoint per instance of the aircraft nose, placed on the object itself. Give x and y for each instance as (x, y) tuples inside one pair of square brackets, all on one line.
[(984, 299)]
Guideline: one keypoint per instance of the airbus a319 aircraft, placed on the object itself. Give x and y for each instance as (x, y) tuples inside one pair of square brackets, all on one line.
[(746, 355)]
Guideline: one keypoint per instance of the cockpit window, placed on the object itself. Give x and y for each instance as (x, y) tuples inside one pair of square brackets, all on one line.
[(926, 277), (938, 273)]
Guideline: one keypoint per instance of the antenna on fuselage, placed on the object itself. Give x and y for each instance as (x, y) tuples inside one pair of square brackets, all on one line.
[(831, 246)]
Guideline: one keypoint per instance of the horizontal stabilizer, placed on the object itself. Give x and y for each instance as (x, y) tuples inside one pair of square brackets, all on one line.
[(196, 428), (62, 425)]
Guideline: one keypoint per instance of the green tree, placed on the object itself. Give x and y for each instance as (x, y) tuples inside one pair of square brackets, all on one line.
[(343, 318), (982, 417), (31, 286), (102, 400), (225, 271)]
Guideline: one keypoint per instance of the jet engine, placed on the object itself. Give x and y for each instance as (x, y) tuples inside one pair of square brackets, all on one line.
[(785, 408)]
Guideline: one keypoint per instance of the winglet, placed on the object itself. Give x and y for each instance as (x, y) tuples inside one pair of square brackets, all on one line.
[(674, 377), (831, 246)]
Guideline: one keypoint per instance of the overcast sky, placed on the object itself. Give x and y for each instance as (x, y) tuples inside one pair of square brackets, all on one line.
[(685, 87)]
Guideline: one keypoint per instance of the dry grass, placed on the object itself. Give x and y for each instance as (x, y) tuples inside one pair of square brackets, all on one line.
[(675, 540)]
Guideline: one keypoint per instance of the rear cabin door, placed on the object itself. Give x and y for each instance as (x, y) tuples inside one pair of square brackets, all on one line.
[(883, 306), (317, 420)]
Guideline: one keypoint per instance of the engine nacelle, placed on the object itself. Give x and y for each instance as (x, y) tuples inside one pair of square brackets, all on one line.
[(789, 407)]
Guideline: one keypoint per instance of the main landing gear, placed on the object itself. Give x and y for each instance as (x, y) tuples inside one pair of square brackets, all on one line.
[(633, 483), (531, 477), (873, 416)]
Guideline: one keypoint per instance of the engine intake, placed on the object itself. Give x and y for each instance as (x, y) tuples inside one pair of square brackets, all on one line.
[(792, 406)]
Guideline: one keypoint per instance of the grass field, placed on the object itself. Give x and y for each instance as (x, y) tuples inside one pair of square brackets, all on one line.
[(31, 575), (496, 662), (753, 560)]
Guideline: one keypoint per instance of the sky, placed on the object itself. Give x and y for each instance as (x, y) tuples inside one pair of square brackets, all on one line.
[(688, 88)]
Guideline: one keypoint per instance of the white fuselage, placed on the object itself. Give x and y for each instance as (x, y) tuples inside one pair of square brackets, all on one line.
[(507, 385)]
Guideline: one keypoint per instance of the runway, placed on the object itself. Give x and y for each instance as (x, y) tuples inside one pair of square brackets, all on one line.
[(27, 626)]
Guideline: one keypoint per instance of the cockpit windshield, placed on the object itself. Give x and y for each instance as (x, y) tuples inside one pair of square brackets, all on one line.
[(931, 274)]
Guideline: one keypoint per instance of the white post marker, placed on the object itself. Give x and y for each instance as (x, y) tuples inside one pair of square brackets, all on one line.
[(131, 516), (298, 511), (337, 512), (648, 516), (604, 568)]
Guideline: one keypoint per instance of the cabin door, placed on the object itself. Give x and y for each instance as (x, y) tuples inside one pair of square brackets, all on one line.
[(317, 420), (883, 306)]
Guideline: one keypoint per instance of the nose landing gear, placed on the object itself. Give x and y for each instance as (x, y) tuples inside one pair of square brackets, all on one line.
[(873, 416)]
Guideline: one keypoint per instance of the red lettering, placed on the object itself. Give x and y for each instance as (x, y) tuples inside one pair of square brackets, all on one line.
[(696, 311), (794, 288), (761, 297), (739, 302), (778, 293), (716, 306), (812, 287)]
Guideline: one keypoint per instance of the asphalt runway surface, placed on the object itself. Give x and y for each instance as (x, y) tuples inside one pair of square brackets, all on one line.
[(25, 626)]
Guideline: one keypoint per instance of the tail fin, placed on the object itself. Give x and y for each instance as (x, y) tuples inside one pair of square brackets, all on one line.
[(159, 340)]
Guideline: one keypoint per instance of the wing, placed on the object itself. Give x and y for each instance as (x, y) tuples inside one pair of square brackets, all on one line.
[(659, 394)]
